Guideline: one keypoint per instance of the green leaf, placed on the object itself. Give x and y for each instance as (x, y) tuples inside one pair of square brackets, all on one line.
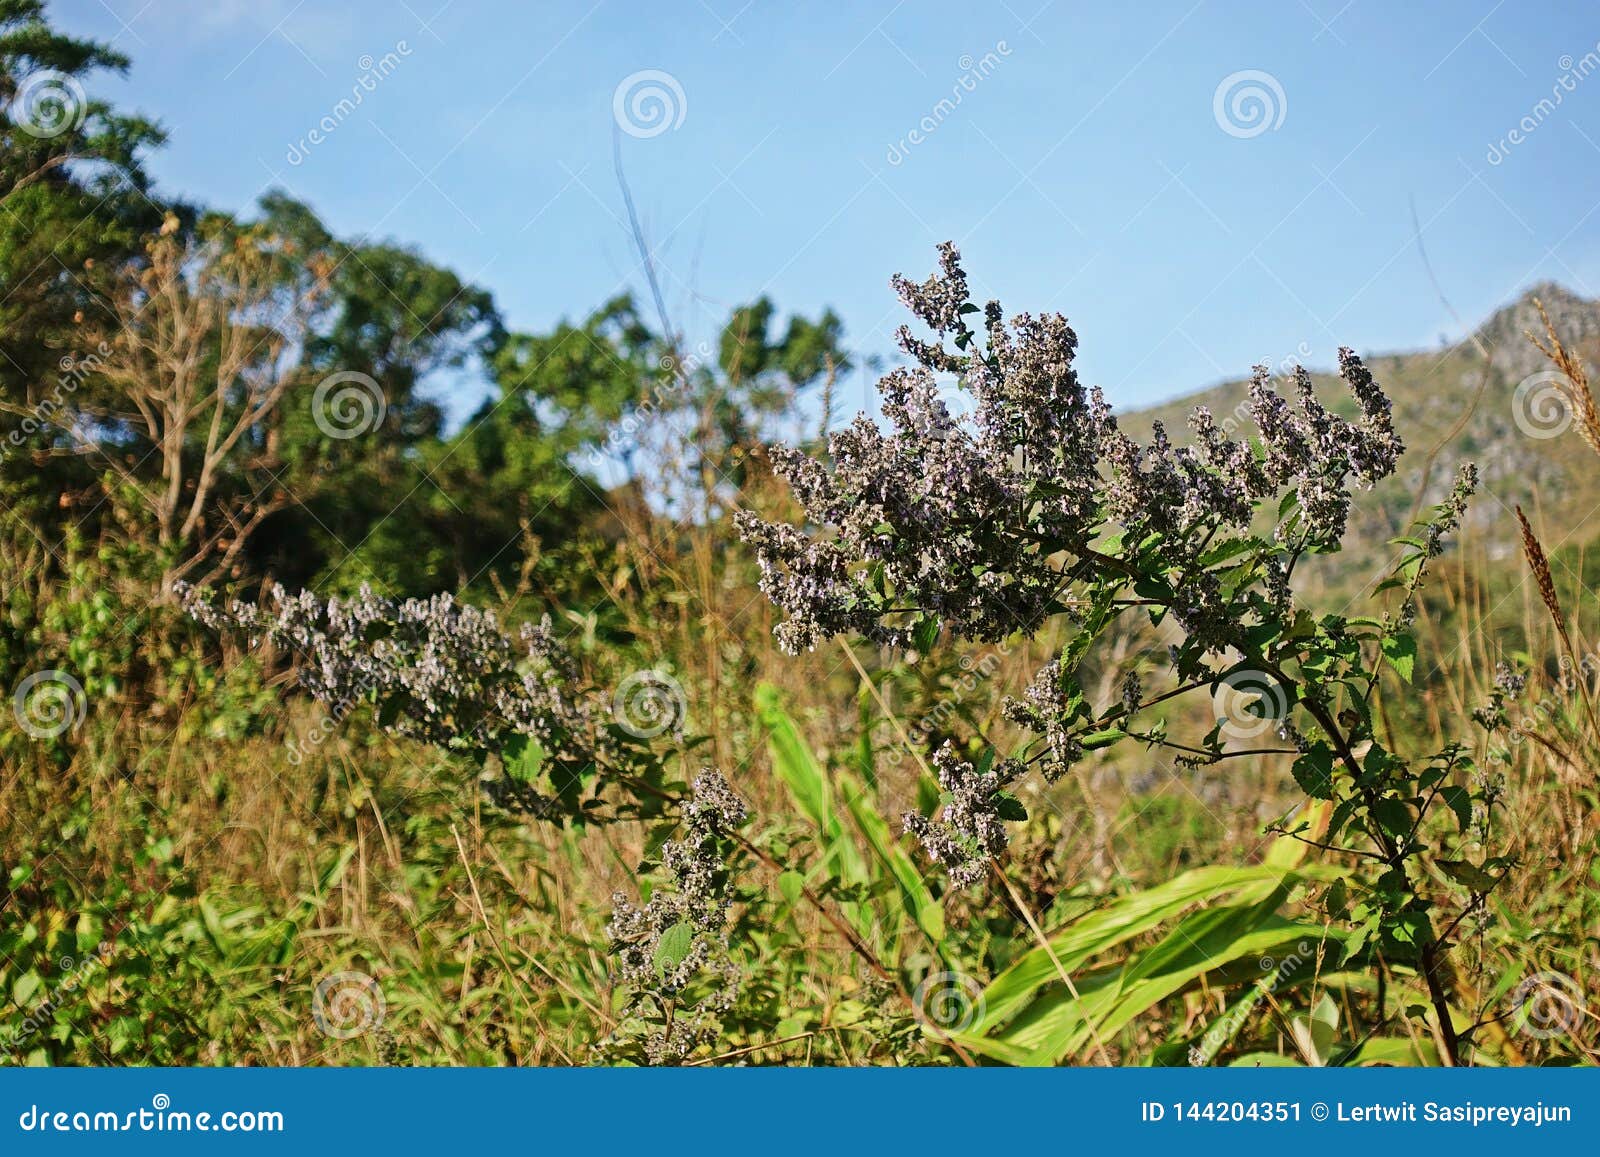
[(1009, 807), (915, 897), (808, 786), (523, 758), (1393, 816), (1314, 1034), (1041, 1020), (389, 712), (790, 886), (23, 988), (1468, 875), (1056, 1025), (673, 947), (1401, 651), (1098, 739), (1228, 548), (1313, 771), (1460, 801)]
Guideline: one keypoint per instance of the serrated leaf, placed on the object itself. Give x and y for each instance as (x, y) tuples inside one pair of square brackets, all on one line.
[(673, 947), (1459, 800), (1313, 771), (1009, 807), (1401, 651), (1393, 816), (523, 758)]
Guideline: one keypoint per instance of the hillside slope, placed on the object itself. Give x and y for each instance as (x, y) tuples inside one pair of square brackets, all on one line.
[(1453, 406)]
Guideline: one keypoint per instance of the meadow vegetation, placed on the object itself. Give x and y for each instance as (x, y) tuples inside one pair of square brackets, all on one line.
[(1007, 732)]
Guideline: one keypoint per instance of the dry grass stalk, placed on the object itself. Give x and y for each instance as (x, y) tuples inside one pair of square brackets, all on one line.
[(1540, 565), (1534, 553), (1580, 397)]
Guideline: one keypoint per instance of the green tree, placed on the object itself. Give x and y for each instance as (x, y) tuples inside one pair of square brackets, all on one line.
[(74, 200)]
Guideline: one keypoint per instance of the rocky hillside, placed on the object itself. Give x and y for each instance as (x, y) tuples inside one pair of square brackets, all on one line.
[(1454, 404)]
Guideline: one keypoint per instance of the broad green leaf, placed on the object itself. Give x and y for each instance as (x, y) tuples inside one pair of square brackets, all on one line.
[(1460, 802), (1122, 920), (790, 886), (1393, 816), (1395, 1051), (523, 758), (808, 786), (1315, 1032), (1313, 771), (1401, 651), (673, 947)]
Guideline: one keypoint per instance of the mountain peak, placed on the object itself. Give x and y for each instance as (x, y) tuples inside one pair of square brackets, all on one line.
[(1576, 318)]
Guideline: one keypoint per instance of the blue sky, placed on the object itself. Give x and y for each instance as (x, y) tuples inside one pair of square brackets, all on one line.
[(1095, 163)]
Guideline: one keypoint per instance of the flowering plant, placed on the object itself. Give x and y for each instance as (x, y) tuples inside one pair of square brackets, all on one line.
[(447, 673), (1038, 510)]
